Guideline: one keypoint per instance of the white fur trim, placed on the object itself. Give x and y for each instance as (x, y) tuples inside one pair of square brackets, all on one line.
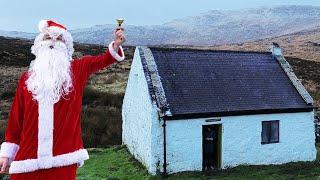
[(56, 30), (80, 164), (43, 25), (9, 150), (45, 129), (115, 54), (30, 165), (45, 158)]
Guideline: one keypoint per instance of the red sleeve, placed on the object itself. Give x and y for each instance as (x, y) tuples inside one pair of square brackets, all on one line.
[(13, 130), (14, 125), (92, 64)]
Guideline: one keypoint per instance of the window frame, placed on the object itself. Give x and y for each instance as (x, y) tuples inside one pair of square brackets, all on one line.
[(269, 124)]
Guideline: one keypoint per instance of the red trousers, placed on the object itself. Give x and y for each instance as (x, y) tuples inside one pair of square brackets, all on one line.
[(60, 173)]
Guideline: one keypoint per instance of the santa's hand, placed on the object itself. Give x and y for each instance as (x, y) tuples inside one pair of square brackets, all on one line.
[(4, 164), (119, 38)]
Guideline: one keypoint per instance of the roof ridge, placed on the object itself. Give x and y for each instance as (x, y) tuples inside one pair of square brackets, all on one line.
[(294, 79), (152, 71), (207, 50)]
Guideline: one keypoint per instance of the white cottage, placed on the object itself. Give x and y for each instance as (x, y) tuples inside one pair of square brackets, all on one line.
[(258, 108)]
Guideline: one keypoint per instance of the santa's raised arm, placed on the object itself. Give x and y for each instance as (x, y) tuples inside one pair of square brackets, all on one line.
[(43, 130)]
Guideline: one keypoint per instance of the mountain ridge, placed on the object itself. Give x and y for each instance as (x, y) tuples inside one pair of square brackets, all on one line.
[(215, 27)]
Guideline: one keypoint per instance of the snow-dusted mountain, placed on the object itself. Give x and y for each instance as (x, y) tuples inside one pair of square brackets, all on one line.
[(17, 34), (213, 27)]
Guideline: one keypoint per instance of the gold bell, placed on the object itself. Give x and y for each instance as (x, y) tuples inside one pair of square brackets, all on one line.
[(120, 21)]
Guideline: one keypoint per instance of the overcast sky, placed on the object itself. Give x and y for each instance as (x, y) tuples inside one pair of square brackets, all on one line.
[(24, 15)]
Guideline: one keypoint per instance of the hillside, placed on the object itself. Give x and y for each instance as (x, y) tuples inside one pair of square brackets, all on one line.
[(304, 44), (102, 101)]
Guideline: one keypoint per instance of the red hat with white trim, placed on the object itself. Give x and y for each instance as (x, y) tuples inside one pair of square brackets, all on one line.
[(47, 25)]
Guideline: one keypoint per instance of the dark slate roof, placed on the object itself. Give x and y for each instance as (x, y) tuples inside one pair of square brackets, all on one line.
[(217, 83)]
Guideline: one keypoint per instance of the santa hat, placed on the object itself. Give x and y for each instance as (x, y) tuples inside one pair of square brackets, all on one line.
[(51, 26), (54, 29)]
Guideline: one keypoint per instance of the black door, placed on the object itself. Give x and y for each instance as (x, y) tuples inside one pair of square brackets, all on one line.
[(211, 147)]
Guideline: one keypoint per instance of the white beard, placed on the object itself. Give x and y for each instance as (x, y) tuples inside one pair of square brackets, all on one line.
[(49, 74)]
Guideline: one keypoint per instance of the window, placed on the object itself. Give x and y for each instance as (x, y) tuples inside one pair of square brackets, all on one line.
[(270, 132)]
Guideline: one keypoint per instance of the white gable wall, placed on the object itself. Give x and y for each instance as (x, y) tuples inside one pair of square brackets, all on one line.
[(241, 141), (138, 116)]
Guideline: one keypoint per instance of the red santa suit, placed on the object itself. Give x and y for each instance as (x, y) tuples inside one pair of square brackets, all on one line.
[(41, 136)]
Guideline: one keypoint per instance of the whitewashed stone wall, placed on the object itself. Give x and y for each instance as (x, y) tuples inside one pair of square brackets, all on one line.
[(138, 113), (241, 141), (241, 135)]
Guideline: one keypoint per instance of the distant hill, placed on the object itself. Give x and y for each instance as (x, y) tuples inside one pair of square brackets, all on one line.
[(17, 34), (210, 28), (303, 44)]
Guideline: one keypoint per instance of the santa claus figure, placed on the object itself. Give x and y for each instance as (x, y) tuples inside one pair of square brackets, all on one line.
[(43, 136)]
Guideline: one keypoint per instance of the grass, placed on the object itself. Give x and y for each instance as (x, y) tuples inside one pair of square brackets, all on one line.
[(111, 163), (116, 163)]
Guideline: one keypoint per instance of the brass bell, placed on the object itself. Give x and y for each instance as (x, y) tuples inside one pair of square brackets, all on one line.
[(120, 21)]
